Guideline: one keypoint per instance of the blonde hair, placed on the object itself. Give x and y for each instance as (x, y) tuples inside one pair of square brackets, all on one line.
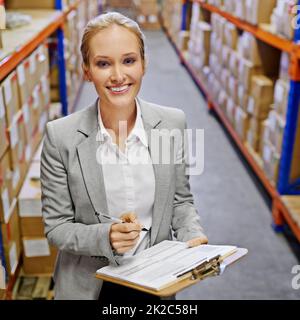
[(103, 21)]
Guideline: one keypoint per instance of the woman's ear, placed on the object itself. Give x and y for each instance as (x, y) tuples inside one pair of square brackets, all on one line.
[(86, 73)]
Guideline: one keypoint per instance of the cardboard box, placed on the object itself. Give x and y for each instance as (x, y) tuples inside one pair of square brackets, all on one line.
[(10, 230), (271, 161), (147, 7), (222, 100), (30, 204), (243, 97), (262, 89), (284, 66), (5, 188), (258, 109), (231, 35), (241, 122), (42, 61), (23, 80), (233, 89), (30, 4), (12, 244), (254, 135), (281, 92), (13, 133), (246, 71), (36, 105), (225, 56), (119, 3), (295, 168), (4, 140), (225, 75), (183, 39), (27, 119), (233, 63), (240, 9), (259, 11), (38, 256), (12, 256), (277, 125), (42, 122), (11, 96), (54, 111), (17, 152), (32, 227), (35, 141), (33, 71), (230, 110), (248, 48)]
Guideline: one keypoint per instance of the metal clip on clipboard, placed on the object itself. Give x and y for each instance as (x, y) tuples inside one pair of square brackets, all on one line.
[(205, 269)]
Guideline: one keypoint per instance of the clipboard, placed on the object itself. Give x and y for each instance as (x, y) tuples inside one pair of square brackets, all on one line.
[(213, 267)]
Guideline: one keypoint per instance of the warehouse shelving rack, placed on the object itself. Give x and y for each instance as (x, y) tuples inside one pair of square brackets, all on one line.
[(280, 211), (11, 61)]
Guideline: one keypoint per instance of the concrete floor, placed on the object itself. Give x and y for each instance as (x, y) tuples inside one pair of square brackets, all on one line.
[(230, 202)]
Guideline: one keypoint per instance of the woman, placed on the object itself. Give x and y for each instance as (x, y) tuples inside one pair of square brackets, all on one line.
[(89, 168)]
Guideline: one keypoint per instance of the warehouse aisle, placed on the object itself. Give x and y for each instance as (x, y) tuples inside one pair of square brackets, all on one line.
[(232, 208)]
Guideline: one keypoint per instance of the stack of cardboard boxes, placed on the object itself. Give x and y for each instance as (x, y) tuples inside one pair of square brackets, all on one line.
[(24, 111), (38, 256), (119, 3), (147, 14), (198, 44), (252, 11), (172, 17), (73, 30), (245, 88), (30, 4), (272, 130), (24, 105), (248, 80), (277, 16), (283, 18)]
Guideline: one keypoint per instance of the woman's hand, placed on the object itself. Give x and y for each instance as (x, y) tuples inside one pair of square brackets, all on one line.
[(124, 236), (197, 241)]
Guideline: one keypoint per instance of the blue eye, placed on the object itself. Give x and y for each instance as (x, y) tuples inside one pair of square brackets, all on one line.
[(129, 60), (102, 64)]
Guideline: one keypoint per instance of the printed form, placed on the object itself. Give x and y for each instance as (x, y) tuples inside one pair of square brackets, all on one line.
[(161, 264)]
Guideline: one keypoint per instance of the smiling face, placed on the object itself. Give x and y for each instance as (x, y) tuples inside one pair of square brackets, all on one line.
[(115, 66)]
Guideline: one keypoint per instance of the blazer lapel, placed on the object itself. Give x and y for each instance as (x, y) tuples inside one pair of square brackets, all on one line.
[(91, 169), (161, 171)]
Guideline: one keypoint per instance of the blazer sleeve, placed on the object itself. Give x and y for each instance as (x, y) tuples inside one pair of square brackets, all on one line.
[(186, 220), (58, 210)]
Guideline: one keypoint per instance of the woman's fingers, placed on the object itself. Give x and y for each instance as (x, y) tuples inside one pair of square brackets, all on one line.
[(126, 227), (121, 236), (129, 217), (124, 236), (126, 243), (197, 241)]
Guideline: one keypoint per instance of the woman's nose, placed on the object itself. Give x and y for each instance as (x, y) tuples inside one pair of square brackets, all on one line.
[(117, 75)]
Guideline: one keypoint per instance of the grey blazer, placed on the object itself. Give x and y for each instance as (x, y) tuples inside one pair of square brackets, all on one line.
[(73, 189)]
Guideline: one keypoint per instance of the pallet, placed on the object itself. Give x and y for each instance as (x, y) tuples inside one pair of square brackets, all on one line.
[(2, 294), (33, 288)]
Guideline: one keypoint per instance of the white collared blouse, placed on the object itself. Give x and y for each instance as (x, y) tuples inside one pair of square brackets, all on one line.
[(128, 176)]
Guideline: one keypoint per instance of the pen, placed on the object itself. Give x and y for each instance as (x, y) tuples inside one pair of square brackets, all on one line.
[(114, 219)]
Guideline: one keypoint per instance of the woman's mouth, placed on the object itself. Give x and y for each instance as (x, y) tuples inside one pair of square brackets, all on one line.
[(119, 90)]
